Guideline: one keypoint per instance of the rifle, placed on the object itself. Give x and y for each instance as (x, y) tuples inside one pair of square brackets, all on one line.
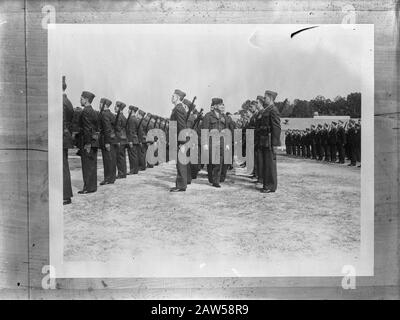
[(148, 122), (190, 108), (116, 118), (198, 118), (140, 122)]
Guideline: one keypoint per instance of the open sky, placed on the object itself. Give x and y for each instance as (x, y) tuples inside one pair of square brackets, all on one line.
[(141, 65)]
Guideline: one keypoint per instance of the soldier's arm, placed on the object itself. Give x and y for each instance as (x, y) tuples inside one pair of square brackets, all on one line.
[(275, 127), (107, 127), (86, 127), (181, 118)]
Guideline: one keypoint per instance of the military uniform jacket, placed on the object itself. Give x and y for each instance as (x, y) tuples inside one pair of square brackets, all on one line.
[(212, 121), (312, 137), (68, 114), (107, 131), (341, 136), (270, 124), (288, 139), (88, 124), (324, 136), (120, 129), (132, 130), (351, 136), (332, 137), (179, 115)]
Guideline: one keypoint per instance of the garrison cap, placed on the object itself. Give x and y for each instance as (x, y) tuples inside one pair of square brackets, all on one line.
[(319, 125), (180, 93), (340, 121), (216, 101), (312, 126), (120, 105), (253, 102), (105, 101), (88, 95), (272, 94), (141, 113), (261, 99), (133, 108), (335, 123)]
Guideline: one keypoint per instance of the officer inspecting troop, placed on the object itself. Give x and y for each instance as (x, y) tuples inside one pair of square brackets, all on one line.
[(333, 142), (122, 138)]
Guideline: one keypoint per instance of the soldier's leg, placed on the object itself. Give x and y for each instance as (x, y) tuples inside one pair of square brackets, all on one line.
[(113, 163), (135, 156), (189, 173), (270, 181), (353, 157), (142, 159), (334, 153), (341, 153), (260, 165), (327, 153), (121, 162), (84, 165), (181, 175), (67, 188), (106, 156), (209, 172), (130, 159), (91, 170)]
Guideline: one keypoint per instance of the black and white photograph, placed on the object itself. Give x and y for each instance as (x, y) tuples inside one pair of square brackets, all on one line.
[(211, 150)]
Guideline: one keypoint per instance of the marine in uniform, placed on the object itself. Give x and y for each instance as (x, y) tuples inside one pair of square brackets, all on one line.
[(108, 142), (132, 132), (142, 140), (325, 142), (332, 140), (313, 142), (179, 115), (68, 114), (120, 132), (270, 133), (351, 142), (89, 143), (214, 120), (341, 141)]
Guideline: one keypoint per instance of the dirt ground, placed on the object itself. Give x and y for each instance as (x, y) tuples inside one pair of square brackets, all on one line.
[(311, 225)]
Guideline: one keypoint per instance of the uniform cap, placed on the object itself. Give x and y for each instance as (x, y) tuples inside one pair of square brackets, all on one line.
[(88, 95), (133, 108), (105, 101), (272, 94), (120, 105), (216, 101), (261, 99), (180, 93)]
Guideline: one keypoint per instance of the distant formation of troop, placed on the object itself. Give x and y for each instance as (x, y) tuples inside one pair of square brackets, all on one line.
[(336, 142)]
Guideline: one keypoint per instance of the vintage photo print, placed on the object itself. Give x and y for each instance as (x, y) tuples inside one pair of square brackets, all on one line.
[(213, 150)]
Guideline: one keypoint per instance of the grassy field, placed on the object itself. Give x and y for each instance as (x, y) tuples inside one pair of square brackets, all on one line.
[(310, 225)]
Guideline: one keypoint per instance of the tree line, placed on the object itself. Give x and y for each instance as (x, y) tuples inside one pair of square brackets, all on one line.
[(340, 106)]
